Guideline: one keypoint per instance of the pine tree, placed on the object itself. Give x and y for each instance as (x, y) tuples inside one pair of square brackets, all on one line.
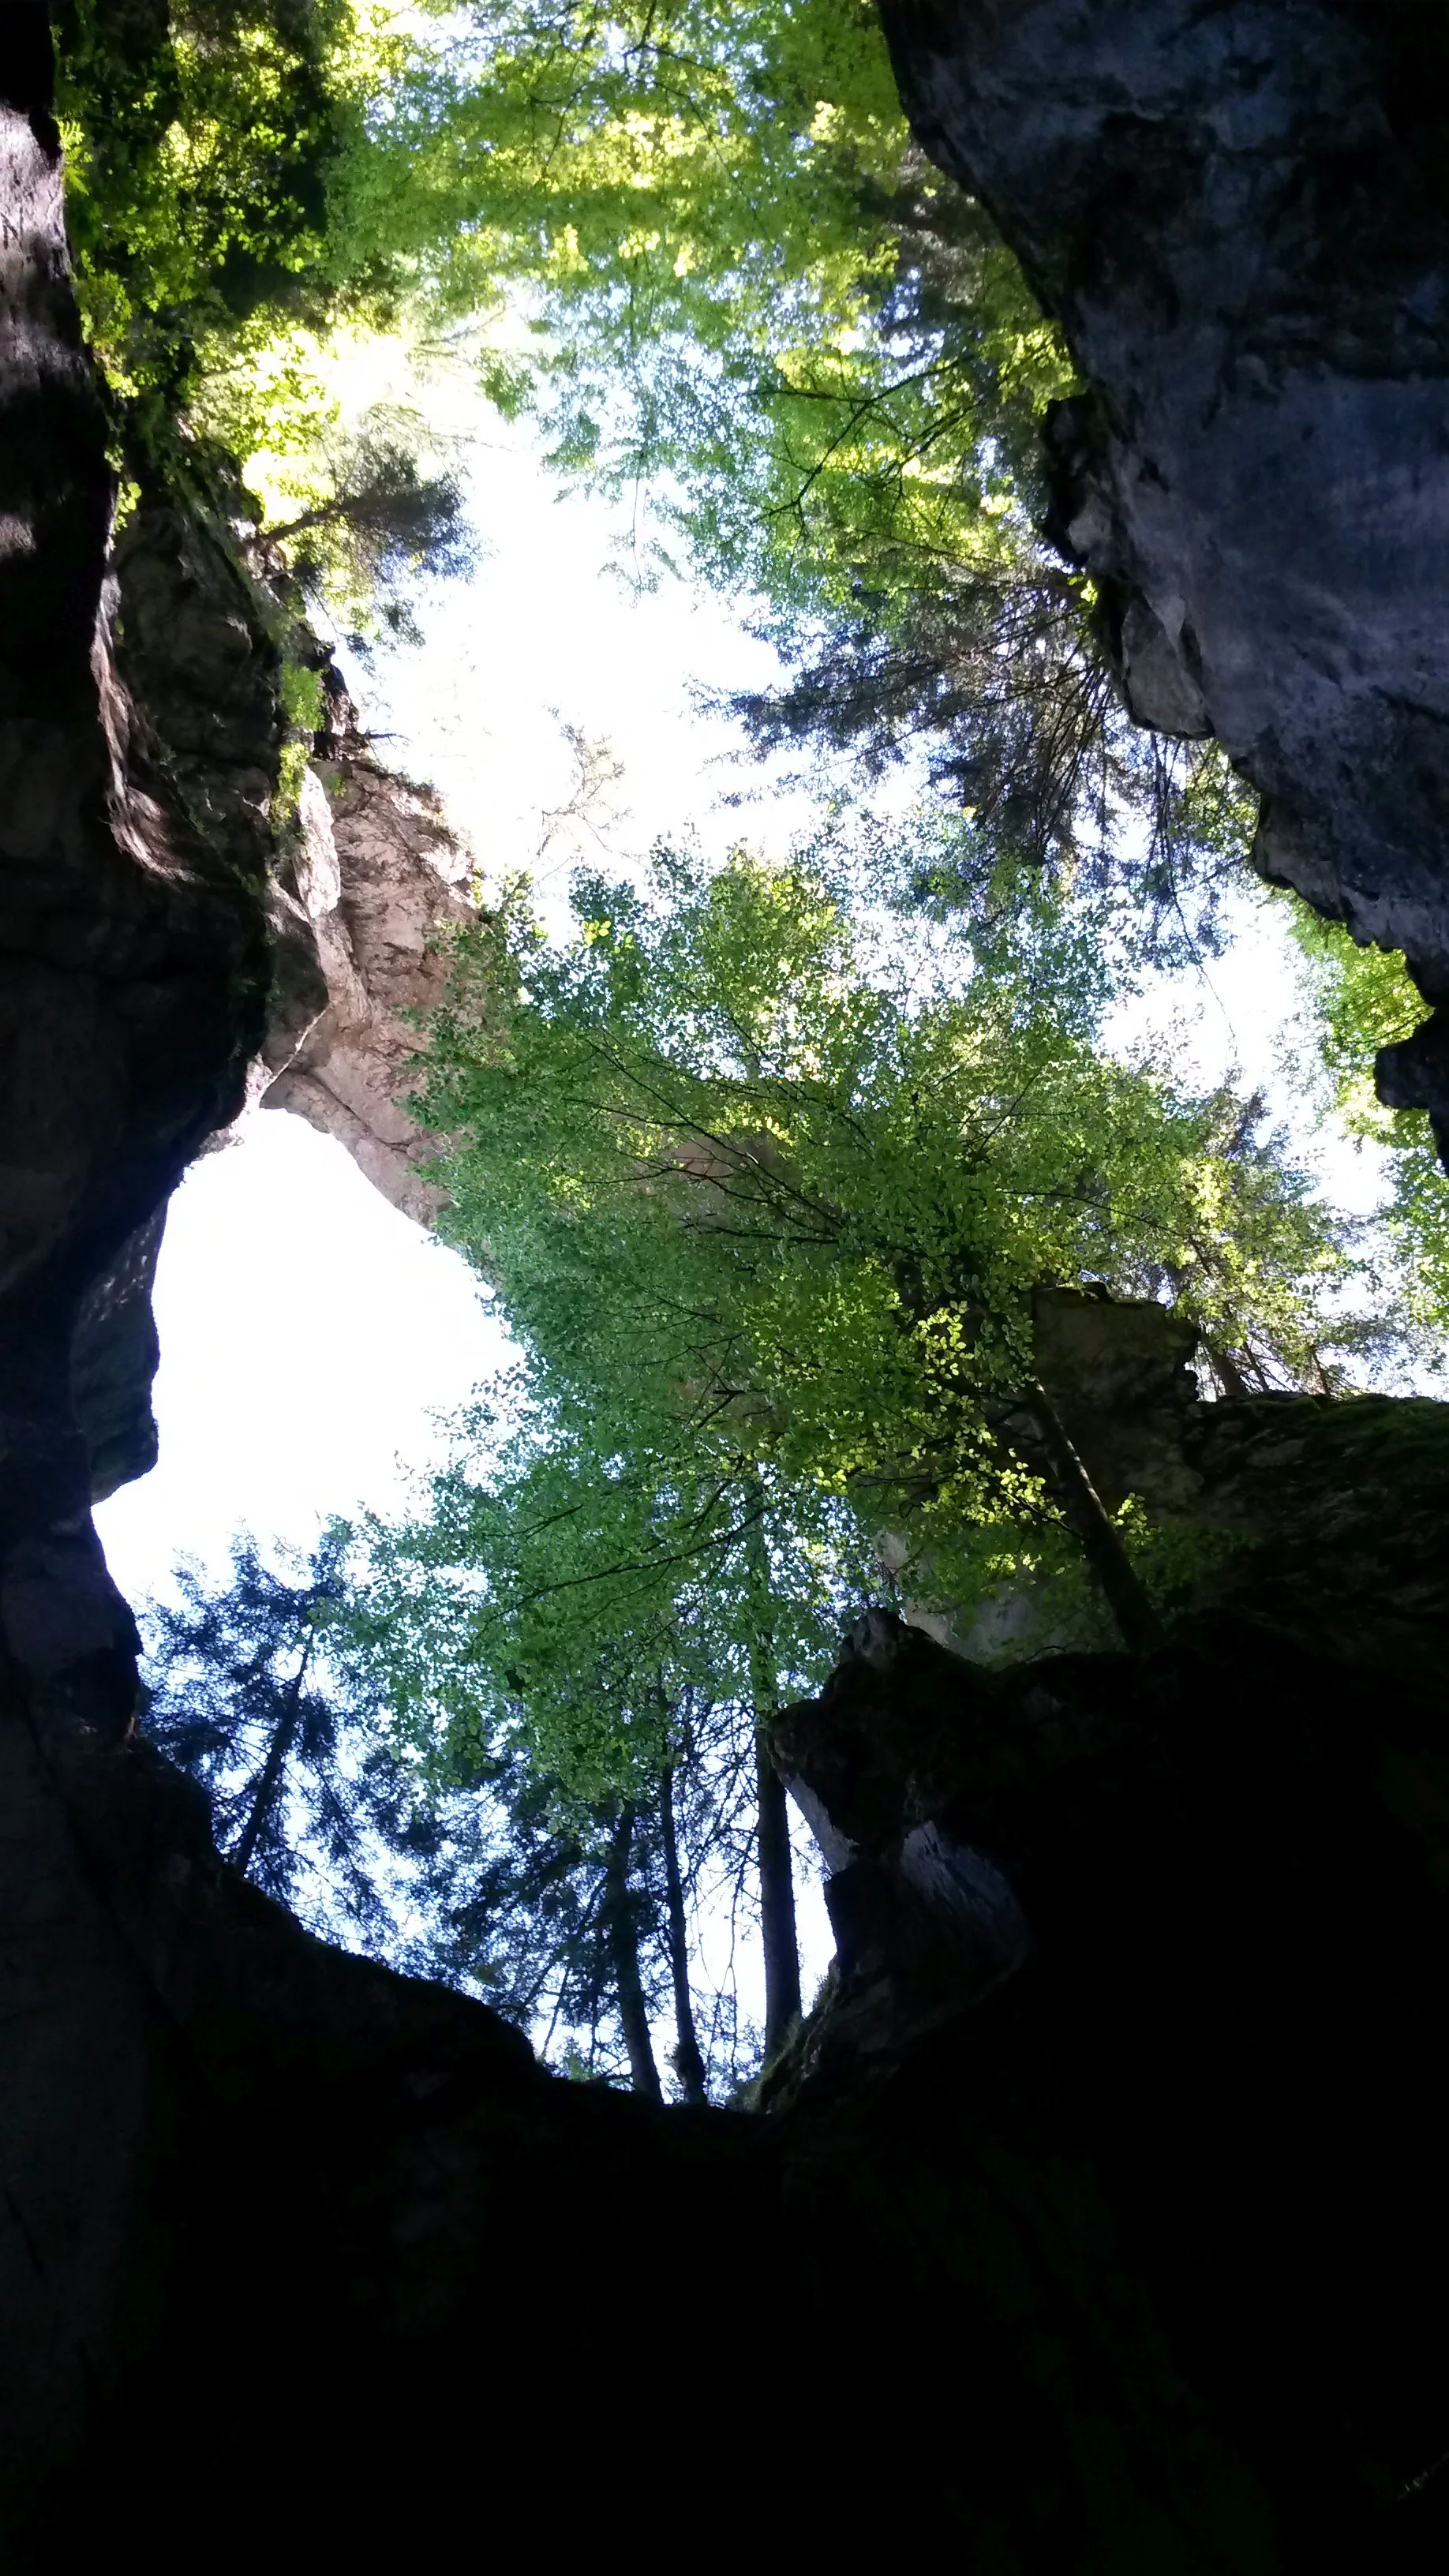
[(249, 1693), (570, 1915)]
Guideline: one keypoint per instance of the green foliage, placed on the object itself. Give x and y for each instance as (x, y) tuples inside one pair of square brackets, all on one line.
[(303, 698), (375, 510), (208, 145), (748, 280), (263, 1686), (742, 274), (1363, 999), (600, 1588), (1179, 1561), (750, 292), (683, 178), (755, 297), (220, 160), (526, 1922), (773, 1200), (605, 1625), (303, 708)]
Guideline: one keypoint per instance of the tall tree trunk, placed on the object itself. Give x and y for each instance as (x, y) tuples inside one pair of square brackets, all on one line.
[(777, 1902), (1127, 1595), (624, 1946), (269, 1779), (777, 1885), (688, 2060)]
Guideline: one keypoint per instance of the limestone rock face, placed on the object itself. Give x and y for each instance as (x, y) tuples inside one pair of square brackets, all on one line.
[(1321, 1517), (1239, 212), (188, 669), (346, 900), (376, 872), (348, 905)]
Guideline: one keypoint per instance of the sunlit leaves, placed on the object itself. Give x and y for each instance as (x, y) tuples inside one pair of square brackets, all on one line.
[(201, 165), (718, 214), (759, 1187)]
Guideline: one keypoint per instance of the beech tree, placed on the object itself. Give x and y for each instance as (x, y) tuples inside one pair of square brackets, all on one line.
[(753, 299), (761, 306), (756, 1184), (213, 150)]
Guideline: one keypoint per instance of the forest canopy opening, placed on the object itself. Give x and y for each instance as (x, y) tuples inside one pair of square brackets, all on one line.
[(767, 1165)]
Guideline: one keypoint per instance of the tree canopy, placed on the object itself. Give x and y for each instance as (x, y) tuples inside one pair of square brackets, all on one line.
[(208, 147), (749, 1177), (767, 1180), (767, 1165), (747, 295), (766, 1196), (756, 302), (251, 1691), (568, 1900)]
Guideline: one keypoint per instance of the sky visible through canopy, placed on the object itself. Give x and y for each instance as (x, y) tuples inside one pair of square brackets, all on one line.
[(311, 1336), (309, 1332)]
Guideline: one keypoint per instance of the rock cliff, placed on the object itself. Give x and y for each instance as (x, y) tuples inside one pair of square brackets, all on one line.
[(1127, 1926), (349, 891), (375, 873), (133, 962), (1238, 210)]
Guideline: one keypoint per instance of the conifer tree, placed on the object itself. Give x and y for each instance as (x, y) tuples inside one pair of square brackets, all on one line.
[(246, 1694), (571, 1915)]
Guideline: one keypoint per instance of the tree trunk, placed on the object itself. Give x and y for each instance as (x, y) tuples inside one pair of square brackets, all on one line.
[(777, 1885), (1126, 1594), (777, 1903), (624, 1944), (688, 2061), (269, 1779)]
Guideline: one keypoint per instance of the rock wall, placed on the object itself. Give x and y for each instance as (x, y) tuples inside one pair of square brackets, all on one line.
[(1121, 1931), (375, 873), (351, 893), (1239, 212), (189, 665), (133, 962), (1319, 1518)]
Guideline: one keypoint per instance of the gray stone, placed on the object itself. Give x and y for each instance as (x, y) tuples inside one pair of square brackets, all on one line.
[(1237, 210)]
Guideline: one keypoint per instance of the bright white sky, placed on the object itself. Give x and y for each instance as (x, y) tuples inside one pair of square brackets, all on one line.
[(311, 1335)]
